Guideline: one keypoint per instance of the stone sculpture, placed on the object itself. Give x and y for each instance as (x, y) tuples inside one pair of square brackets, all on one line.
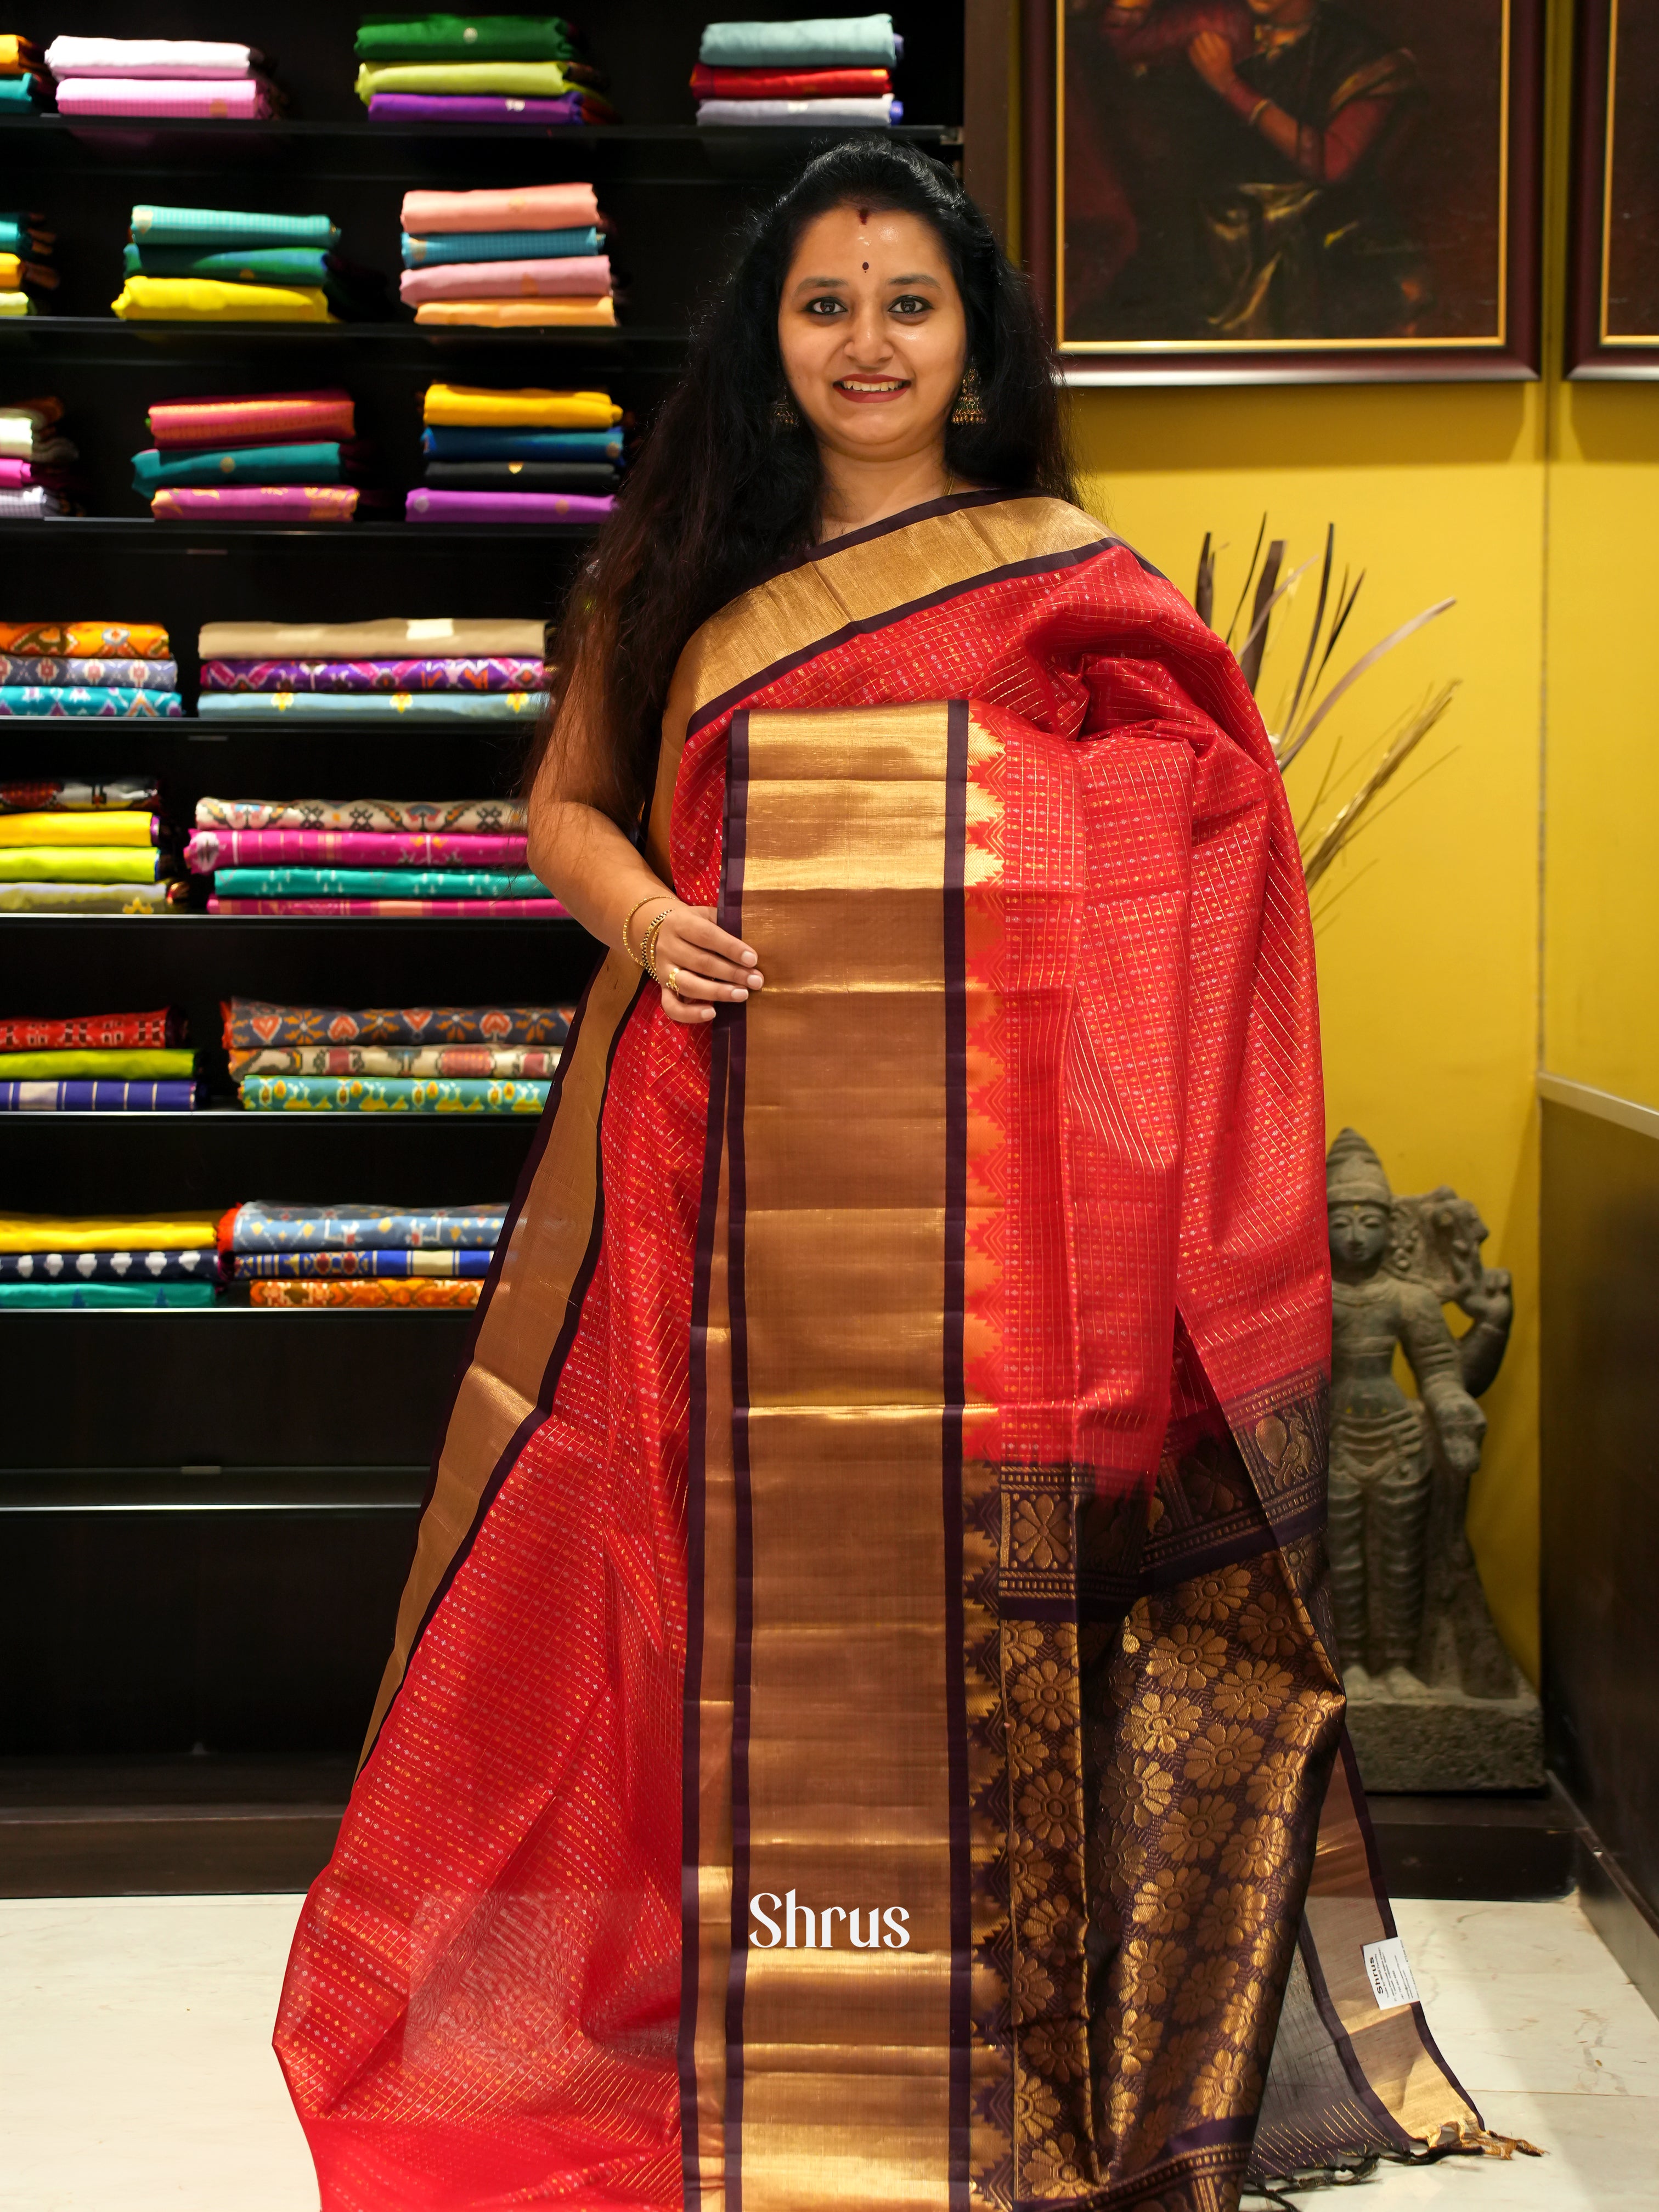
[(1435, 1701)]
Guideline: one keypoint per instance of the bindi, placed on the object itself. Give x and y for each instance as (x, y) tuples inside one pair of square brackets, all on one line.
[(866, 265)]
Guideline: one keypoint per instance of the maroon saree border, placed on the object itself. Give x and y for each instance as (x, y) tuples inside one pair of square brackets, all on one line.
[(954, 1396)]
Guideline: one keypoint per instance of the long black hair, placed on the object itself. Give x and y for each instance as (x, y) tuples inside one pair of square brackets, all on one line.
[(721, 492)]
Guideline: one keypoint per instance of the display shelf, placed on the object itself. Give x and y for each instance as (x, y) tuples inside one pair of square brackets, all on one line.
[(127, 342), (438, 537), (343, 1489)]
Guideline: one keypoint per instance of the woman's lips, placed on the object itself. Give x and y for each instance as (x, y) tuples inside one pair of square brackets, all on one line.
[(869, 390)]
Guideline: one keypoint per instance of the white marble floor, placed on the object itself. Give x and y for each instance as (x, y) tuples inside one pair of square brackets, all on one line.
[(135, 2073)]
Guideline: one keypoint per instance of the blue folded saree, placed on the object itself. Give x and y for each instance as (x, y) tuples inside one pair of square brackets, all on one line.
[(394, 1094), (375, 883), (448, 445), (228, 227), (152, 471), (373, 706), (101, 1094), (113, 700), (268, 1226), (497, 245), (817, 42)]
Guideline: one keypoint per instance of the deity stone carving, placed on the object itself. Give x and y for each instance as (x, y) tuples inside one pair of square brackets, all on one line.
[(1436, 1702)]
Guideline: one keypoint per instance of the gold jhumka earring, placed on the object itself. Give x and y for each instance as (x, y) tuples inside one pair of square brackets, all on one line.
[(969, 410)]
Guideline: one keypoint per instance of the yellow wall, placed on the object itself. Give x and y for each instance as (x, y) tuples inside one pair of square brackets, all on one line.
[(1429, 955)]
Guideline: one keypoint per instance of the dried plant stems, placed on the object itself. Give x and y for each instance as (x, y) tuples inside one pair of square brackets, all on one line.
[(1340, 828)]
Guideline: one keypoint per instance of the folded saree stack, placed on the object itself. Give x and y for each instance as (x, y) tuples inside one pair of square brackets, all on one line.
[(227, 265), (399, 1059), (829, 73), (97, 1064), (484, 433), (524, 256), (287, 455), (360, 1255), (108, 1260), (108, 670), (402, 669), (22, 74), (478, 69), (73, 854), (25, 261), (208, 77), (452, 859), (36, 458)]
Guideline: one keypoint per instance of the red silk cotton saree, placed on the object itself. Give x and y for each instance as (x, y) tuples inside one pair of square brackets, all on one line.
[(863, 1729)]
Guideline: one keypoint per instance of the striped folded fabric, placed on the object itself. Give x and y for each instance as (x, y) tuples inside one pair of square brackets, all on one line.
[(369, 1094), (97, 1097), (209, 849), (353, 1266)]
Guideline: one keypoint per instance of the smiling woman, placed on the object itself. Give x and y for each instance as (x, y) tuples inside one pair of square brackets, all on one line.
[(890, 1464)]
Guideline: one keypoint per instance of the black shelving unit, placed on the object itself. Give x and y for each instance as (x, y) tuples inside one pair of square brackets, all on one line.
[(208, 1514)]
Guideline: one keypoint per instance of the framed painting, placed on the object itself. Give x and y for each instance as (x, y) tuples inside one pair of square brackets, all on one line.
[(1285, 191), (1613, 280)]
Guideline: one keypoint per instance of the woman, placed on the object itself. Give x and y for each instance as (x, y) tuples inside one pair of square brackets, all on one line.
[(862, 1705)]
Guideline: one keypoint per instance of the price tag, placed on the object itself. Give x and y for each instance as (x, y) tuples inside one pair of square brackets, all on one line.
[(425, 628), (1389, 1973)]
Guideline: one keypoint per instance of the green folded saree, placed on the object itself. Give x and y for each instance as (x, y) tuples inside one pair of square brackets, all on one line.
[(465, 37), (258, 264), (136, 1065), (78, 864)]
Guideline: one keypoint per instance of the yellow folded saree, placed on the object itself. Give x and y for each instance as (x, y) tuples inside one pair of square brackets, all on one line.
[(207, 300), (78, 864), (119, 827), (518, 314), (465, 406), (546, 80), (108, 1232)]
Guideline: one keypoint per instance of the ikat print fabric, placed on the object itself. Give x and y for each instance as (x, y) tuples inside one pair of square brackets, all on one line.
[(379, 1293), (532, 1062), (209, 849), (370, 1094), (421, 1262), (499, 816), (501, 672), (140, 1265), (254, 1025), (97, 1097), (78, 1032), (263, 1226)]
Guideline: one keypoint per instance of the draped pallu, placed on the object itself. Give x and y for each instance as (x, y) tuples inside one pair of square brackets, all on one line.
[(907, 1404)]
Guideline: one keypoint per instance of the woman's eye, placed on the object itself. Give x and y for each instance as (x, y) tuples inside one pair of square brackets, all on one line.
[(825, 306), (910, 303)]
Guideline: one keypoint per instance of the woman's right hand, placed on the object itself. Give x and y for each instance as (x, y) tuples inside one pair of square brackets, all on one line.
[(700, 966)]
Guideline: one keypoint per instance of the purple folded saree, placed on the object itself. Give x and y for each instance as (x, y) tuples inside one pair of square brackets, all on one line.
[(209, 849), (476, 107), (500, 672), (277, 503), (427, 506)]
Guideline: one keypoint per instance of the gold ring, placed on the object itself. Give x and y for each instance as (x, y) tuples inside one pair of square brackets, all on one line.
[(674, 980)]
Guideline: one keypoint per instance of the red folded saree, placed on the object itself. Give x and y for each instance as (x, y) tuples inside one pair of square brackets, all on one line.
[(862, 1726), (251, 419), (709, 84)]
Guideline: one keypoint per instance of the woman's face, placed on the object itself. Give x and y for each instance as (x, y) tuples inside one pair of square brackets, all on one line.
[(872, 334)]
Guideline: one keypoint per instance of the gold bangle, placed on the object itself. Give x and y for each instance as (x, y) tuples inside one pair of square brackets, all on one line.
[(628, 918), (649, 943), (1257, 112)]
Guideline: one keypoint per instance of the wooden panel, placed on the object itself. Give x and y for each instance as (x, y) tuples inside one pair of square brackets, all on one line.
[(1601, 1478)]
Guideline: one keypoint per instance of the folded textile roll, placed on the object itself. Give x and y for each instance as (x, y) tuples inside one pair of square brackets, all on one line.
[(497, 208), (79, 1295), (420, 1265), (541, 506), (16, 269), (131, 1065), (586, 275), (34, 501), (443, 38), (519, 315), (246, 100), (372, 706), (16, 304), (15, 475), (819, 114), (19, 92), (487, 107), (154, 470), (22, 233), (109, 1232), (258, 503), (253, 1022), (364, 1294), (385, 909), (470, 406), (390, 1094), (138, 1265), (23, 442), (812, 42), (453, 885), (124, 1032), (547, 79), (597, 478), (522, 445), (150, 58), (415, 637), (498, 246), (492, 817), (209, 849), (97, 1097), (500, 672), (86, 674), (182, 225), (137, 641), (80, 864), (55, 826), (17, 52), (789, 84), (256, 419), (207, 300), (110, 701), (262, 1226), (535, 1063), (254, 264), (93, 898)]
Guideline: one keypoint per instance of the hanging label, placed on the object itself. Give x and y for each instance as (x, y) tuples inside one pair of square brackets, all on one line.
[(1389, 1972)]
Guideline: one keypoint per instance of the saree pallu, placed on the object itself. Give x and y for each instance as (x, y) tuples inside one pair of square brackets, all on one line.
[(255, 420), (79, 1032), (364, 1294), (98, 1097), (391, 1094), (399, 1267), (906, 1402), (250, 1024), (499, 672)]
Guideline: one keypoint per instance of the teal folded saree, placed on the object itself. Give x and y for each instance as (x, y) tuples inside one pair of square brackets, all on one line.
[(181, 225), (153, 471)]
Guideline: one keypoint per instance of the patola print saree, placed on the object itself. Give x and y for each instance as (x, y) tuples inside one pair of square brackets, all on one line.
[(863, 1728)]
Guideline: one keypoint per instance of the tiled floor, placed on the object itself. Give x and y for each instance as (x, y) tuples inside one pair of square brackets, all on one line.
[(135, 2073)]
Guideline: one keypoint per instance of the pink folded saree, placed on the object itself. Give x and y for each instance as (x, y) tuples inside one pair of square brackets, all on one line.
[(235, 99), (512, 207), (586, 275), (258, 503), (339, 909), (209, 849), (251, 419)]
